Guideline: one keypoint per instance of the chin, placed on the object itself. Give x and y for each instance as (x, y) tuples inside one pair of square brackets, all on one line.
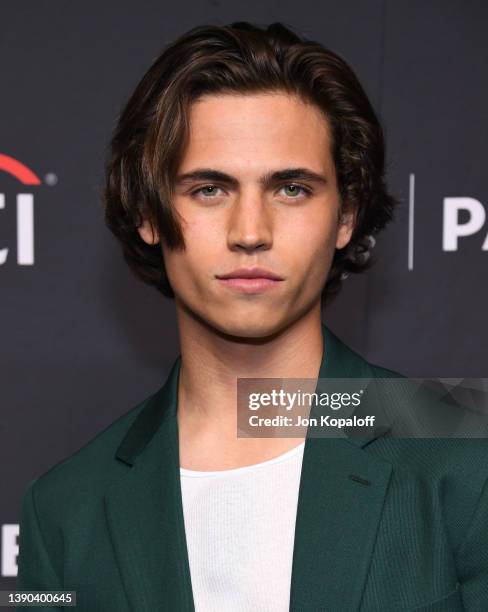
[(246, 321), (249, 327)]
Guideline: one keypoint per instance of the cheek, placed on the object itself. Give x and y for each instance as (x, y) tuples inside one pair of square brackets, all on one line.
[(197, 261), (310, 242), (204, 239)]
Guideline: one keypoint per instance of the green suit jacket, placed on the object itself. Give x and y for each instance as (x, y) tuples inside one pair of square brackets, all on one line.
[(411, 533)]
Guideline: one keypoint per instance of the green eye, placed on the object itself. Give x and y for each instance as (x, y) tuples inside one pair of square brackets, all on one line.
[(206, 190), (209, 190), (294, 190)]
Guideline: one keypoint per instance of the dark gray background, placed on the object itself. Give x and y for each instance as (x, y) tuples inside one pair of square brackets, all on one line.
[(82, 341)]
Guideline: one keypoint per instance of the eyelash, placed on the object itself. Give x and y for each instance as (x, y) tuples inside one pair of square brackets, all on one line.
[(304, 189)]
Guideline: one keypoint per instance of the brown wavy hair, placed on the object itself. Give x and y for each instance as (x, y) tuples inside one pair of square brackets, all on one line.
[(152, 131)]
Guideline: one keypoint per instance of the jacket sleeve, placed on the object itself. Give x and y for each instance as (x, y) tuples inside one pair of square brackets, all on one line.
[(35, 568), (473, 558)]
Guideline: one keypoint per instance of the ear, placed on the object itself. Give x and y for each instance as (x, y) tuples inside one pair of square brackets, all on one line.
[(347, 222), (148, 233)]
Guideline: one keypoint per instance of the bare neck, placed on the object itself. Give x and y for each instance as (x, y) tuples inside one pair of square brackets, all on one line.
[(211, 362)]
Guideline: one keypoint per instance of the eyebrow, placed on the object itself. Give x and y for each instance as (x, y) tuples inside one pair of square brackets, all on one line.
[(266, 180)]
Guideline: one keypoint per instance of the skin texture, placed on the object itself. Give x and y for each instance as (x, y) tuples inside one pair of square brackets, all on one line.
[(280, 226)]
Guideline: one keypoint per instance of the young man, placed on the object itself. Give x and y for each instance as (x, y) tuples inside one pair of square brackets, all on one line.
[(245, 179)]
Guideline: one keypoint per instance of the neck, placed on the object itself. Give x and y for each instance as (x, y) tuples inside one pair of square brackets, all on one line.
[(211, 362)]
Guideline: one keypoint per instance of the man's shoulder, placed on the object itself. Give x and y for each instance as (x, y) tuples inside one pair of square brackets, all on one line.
[(453, 459), (382, 372), (91, 468), (460, 460), (350, 363)]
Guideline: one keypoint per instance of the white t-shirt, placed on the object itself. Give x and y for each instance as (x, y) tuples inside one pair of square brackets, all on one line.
[(240, 528)]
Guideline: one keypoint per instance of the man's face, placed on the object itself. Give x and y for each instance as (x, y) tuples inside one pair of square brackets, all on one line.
[(286, 224)]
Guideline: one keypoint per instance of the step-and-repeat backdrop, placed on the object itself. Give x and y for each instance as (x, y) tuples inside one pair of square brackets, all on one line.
[(82, 340)]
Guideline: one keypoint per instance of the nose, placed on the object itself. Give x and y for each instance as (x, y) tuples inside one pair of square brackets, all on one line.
[(250, 224)]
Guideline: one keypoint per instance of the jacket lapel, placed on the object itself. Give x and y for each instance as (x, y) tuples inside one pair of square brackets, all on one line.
[(144, 509), (341, 496), (337, 514), (336, 525)]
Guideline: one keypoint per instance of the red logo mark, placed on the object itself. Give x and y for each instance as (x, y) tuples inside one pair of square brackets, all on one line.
[(18, 170)]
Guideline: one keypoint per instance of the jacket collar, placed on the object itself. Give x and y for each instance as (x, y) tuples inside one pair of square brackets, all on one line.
[(342, 490), (338, 361)]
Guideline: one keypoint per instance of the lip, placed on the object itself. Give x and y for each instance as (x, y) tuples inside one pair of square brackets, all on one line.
[(250, 280), (250, 273)]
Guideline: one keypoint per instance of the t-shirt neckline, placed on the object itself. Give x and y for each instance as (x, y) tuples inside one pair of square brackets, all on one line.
[(245, 468)]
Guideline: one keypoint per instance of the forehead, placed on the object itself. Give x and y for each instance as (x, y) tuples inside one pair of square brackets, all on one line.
[(249, 130)]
